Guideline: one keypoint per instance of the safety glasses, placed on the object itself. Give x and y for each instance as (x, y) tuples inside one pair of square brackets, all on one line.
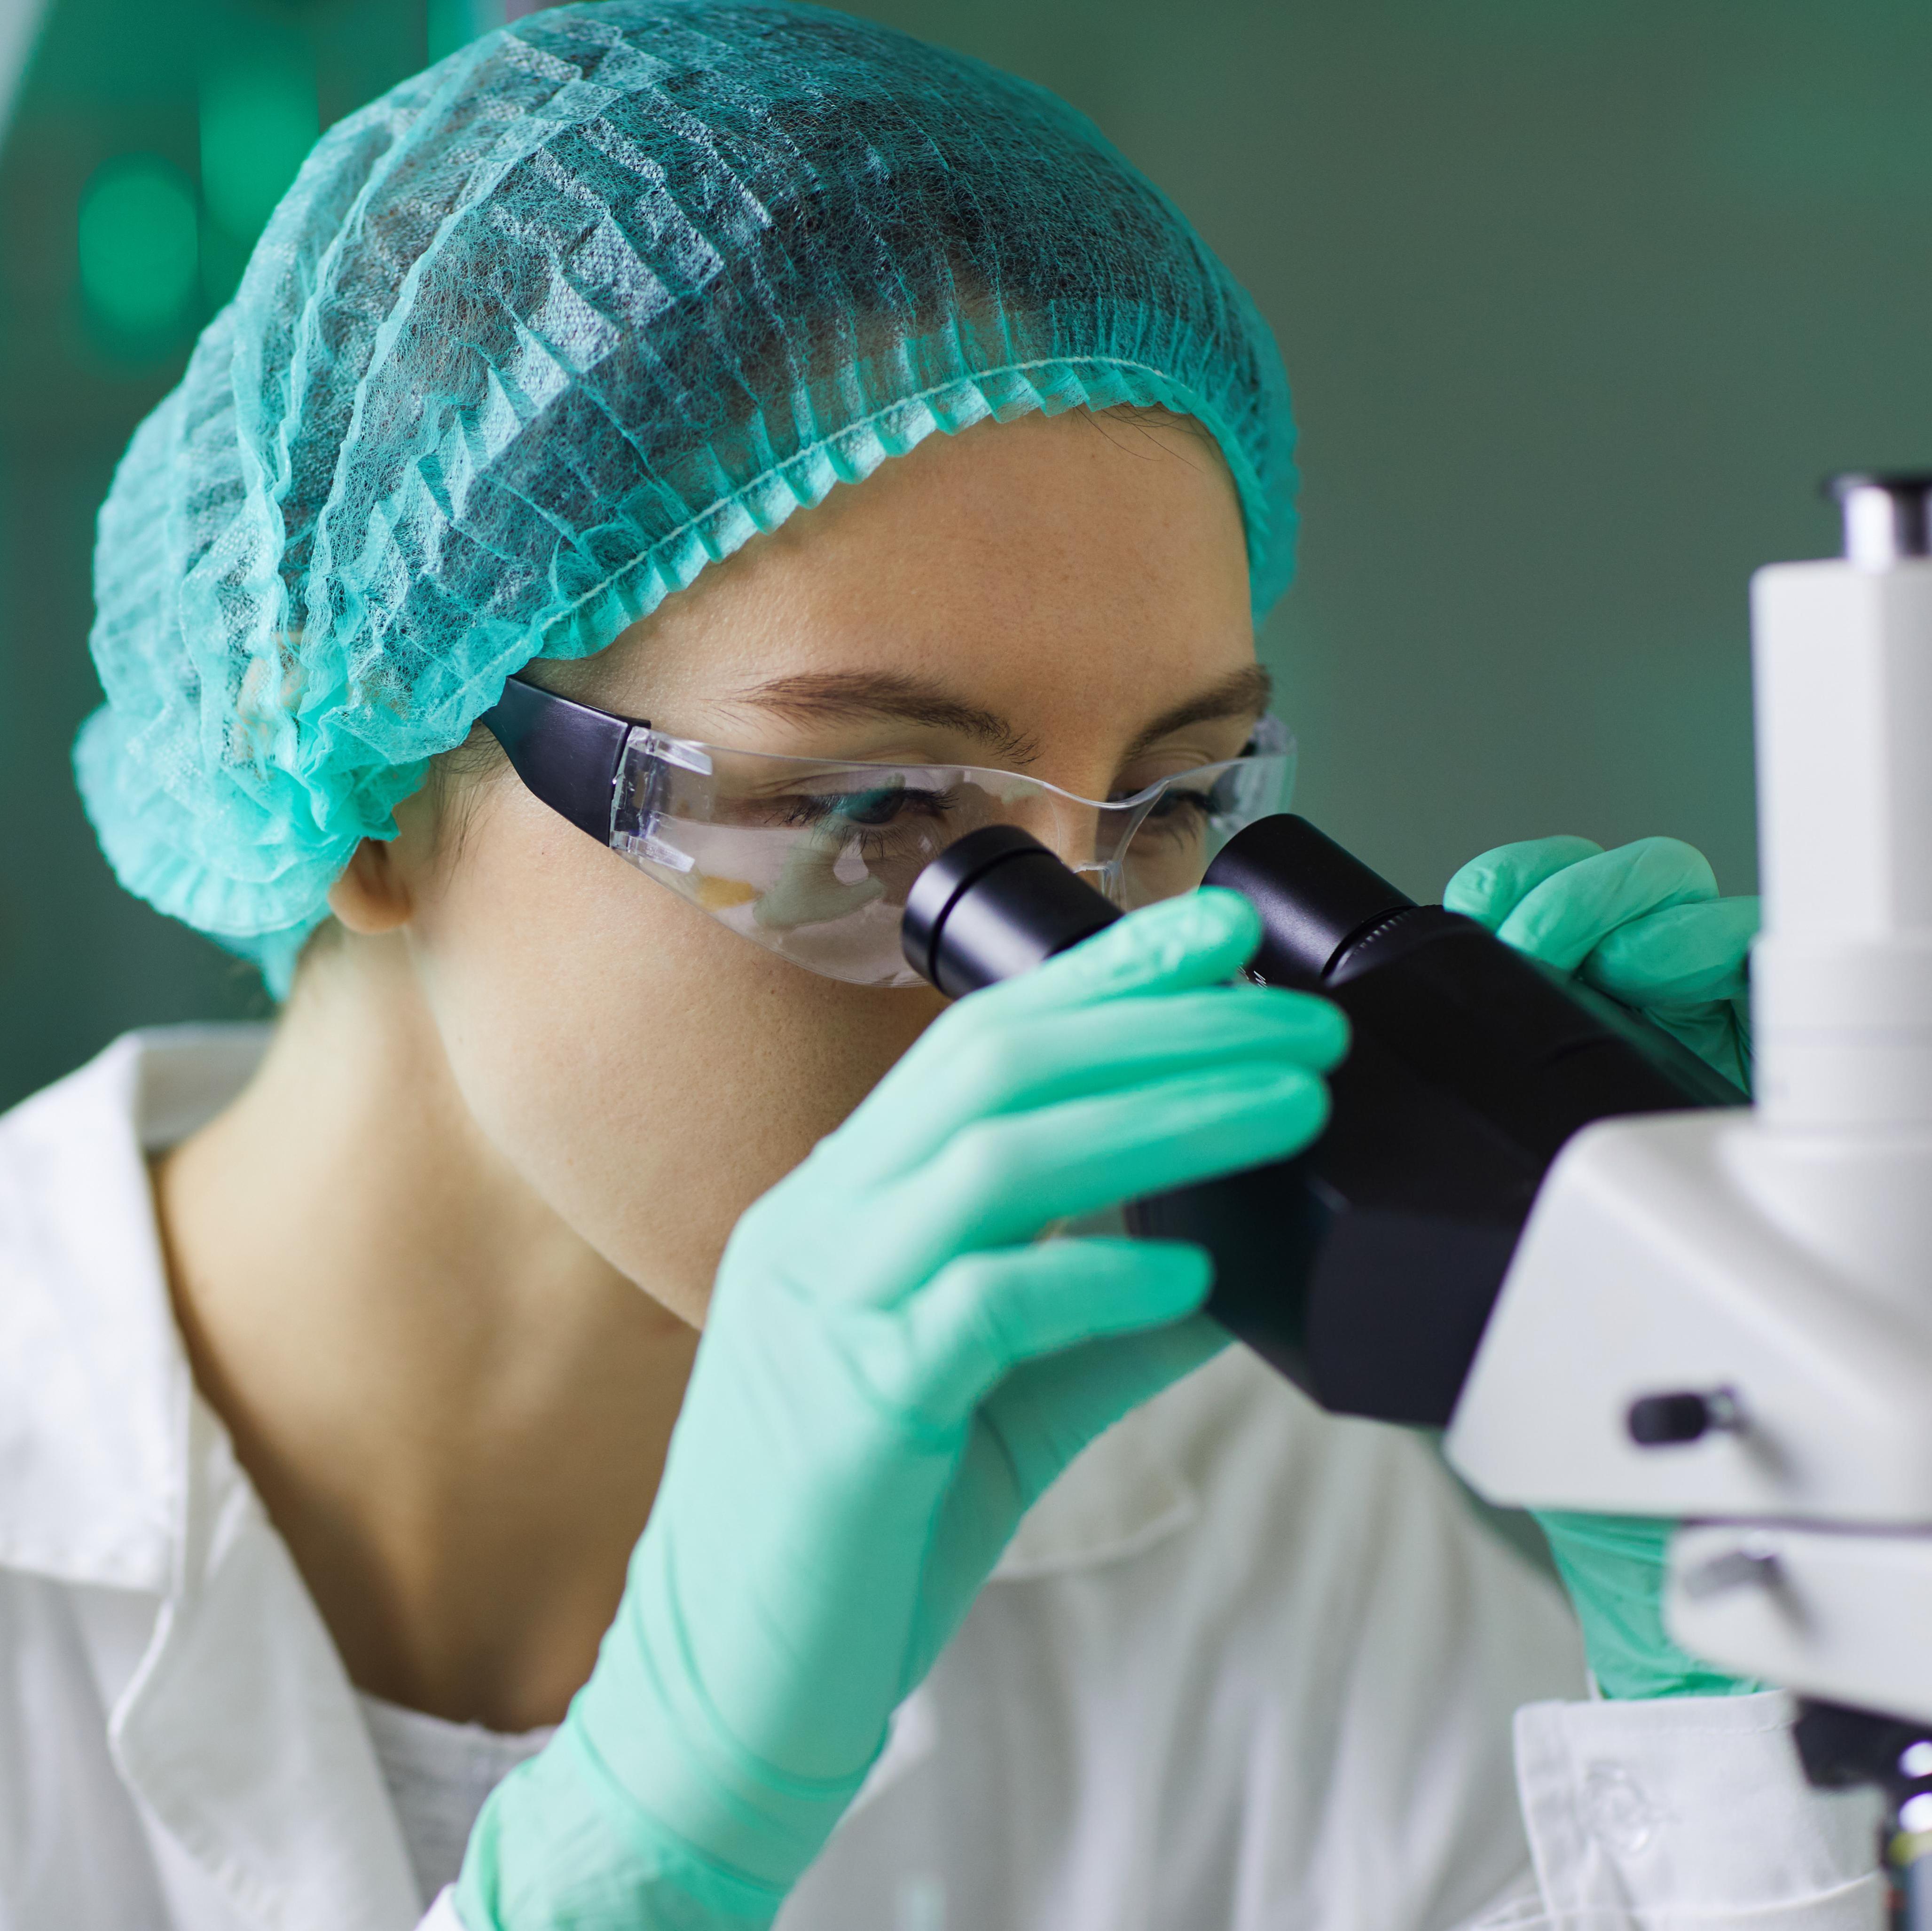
[(813, 859)]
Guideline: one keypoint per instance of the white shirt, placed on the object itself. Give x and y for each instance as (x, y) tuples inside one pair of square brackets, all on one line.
[(1245, 1666), (437, 1774)]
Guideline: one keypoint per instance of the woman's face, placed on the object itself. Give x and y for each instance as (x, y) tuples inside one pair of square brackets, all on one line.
[(1066, 597)]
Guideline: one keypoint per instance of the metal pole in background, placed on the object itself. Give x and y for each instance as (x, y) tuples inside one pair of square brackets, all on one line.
[(20, 22)]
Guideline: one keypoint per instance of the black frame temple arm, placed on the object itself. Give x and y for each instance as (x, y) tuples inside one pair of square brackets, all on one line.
[(566, 753)]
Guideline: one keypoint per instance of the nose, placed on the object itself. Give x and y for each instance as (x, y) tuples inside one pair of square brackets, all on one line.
[(1073, 835), (1104, 879)]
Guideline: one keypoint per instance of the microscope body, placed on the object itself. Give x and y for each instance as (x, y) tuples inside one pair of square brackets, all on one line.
[(1365, 1269), (1774, 1266)]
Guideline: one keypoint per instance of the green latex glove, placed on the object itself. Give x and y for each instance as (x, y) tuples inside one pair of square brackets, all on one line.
[(1613, 1567), (893, 1368), (1643, 923)]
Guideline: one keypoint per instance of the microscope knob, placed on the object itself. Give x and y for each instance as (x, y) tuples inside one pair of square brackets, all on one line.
[(1659, 1421)]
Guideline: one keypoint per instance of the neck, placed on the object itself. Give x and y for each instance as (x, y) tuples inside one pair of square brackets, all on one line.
[(455, 1410)]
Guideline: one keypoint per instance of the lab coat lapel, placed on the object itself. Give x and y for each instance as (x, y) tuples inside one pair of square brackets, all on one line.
[(89, 1413), (240, 1732)]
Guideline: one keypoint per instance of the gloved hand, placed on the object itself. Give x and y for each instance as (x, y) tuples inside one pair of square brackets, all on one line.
[(1643, 923), (1614, 1568), (893, 1368)]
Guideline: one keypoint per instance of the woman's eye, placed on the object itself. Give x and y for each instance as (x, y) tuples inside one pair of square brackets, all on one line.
[(1177, 820), (888, 804), (1178, 806), (876, 808)]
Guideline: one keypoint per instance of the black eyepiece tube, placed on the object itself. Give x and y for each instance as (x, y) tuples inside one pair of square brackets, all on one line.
[(963, 927), (1315, 899)]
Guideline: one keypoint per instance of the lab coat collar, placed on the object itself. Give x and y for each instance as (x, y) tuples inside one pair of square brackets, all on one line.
[(239, 1731), (94, 1388), (1122, 1495)]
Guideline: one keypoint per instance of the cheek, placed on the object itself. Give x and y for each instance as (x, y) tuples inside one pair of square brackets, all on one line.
[(647, 1072)]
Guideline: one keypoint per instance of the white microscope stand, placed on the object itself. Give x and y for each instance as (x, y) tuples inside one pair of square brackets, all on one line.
[(1776, 1261)]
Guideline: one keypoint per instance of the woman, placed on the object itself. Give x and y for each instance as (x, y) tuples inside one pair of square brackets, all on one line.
[(344, 1364)]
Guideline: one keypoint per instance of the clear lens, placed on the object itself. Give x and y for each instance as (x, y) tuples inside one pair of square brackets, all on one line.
[(815, 860)]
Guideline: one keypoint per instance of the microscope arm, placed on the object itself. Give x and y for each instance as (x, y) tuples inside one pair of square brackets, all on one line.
[(1839, 1614), (1727, 1318), (1666, 1258)]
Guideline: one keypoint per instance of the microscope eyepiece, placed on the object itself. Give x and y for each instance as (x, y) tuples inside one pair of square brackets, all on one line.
[(964, 928), (1316, 900)]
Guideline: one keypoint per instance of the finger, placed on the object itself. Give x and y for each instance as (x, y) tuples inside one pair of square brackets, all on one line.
[(984, 1314), (1563, 919), (1041, 1060), (1717, 1033), (1201, 939), (1488, 889), (1179, 945), (1001, 1181), (1694, 954)]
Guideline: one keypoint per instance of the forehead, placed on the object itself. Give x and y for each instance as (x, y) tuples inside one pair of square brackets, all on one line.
[(1037, 562)]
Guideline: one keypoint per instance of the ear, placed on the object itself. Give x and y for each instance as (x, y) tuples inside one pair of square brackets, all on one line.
[(372, 897)]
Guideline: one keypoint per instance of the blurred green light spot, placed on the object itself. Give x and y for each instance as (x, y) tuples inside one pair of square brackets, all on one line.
[(138, 247), (258, 120)]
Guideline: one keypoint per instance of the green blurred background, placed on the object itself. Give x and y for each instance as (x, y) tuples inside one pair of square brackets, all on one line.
[(1580, 301)]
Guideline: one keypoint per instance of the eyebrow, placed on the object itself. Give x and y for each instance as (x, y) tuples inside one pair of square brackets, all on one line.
[(814, 696), (811, 696), (1244, 693)]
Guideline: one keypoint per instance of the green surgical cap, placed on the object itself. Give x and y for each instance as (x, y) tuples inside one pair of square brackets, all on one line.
[(543, 331)]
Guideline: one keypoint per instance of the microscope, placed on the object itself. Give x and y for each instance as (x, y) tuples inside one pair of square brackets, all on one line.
[(1771, 1269), (1533, 1220)]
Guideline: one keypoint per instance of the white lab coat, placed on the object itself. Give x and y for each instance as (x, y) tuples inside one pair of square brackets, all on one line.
[(1244, 1667)]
